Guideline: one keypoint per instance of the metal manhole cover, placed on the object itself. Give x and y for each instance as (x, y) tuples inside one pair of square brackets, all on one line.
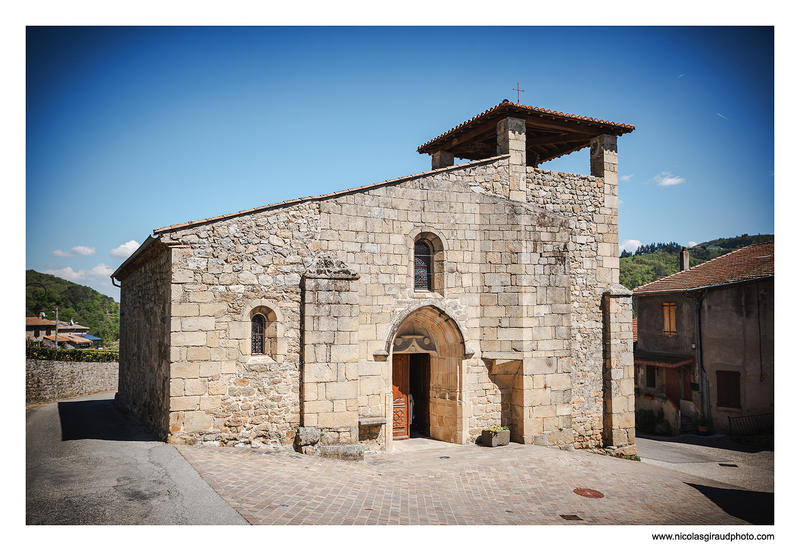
[(586, 492), (570, 517)]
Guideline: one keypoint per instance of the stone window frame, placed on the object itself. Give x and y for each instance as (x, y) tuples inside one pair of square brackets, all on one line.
[(438, 246), (276, 350)]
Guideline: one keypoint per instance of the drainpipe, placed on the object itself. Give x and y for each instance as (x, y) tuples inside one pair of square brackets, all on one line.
[(698, 301)]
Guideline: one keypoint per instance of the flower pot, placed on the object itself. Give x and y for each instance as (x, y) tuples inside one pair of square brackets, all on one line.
[(702, 429), (492, 439)]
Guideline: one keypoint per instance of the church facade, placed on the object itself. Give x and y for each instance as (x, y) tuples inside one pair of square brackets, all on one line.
[(438, 304)]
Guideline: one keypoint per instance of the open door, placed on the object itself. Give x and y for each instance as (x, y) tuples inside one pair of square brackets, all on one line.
[(401, 414), (419, 387)]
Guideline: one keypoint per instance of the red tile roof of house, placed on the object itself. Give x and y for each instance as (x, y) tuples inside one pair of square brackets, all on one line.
[(751, 262), (34, 321)]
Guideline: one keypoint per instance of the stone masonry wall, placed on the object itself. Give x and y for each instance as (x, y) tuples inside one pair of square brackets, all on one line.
[(144, 343), (593, 225), (49, 381), (220, 393)]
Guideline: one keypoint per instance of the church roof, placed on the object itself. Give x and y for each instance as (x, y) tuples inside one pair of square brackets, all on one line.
[(548, 134)]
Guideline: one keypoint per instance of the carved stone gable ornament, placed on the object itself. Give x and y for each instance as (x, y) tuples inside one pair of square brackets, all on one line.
[(327, 267), (414, 344)]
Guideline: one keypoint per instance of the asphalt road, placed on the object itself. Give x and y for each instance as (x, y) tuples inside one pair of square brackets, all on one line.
[(87, 463), (712, 457)]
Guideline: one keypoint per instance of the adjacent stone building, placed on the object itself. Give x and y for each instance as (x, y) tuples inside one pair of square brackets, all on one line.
[(706, 343), (438, 304)]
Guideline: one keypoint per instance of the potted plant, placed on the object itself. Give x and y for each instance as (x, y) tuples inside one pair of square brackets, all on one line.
[(661, 397), (702, 424), (495, 435)]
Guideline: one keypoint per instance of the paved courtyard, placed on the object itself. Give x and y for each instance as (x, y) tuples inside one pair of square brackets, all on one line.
[(426, 482)]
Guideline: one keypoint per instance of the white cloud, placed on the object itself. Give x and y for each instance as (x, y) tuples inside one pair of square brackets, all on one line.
[(84, 251), (79, 250), (93, 277), (667, 179), (630, 245), (692, 243), (125, 250), (626, 178), (724, 117)]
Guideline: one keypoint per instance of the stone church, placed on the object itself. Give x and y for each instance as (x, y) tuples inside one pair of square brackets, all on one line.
[(438, 304)]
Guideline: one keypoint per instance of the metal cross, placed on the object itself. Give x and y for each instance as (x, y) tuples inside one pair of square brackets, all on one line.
[(518, 91)]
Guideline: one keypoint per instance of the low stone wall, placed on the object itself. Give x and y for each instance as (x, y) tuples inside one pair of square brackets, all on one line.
[(50, 381)]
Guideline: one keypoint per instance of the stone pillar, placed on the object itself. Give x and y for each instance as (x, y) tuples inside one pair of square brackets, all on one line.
[(442, 159), (604, 165), (330, 353), (619, 402), (511, 140)]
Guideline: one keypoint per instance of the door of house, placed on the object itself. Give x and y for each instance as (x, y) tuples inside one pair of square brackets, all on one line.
[(673, 380)]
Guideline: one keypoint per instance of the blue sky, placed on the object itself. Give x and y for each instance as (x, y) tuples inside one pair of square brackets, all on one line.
[(134, 128)]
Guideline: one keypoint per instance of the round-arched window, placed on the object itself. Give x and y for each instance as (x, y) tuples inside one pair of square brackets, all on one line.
[(423, 266)]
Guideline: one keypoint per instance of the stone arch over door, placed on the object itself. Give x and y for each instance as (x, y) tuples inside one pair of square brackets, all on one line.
[(429, 330)]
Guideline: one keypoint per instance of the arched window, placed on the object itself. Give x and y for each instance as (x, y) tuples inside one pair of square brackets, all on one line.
[(258, 327), (423, 266), (264, 333)]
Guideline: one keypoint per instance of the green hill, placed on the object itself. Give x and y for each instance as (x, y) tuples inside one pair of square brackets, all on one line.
[(657, 260), (83, 305)]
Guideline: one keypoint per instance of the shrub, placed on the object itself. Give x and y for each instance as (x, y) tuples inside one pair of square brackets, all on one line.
[(71, 355)]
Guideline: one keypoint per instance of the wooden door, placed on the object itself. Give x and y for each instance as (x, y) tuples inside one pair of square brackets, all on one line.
[(401, 419), (673, 377)]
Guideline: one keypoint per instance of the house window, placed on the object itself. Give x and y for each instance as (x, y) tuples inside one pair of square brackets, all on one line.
[(650, 376), (728, 389), (258, 326), (669, 318), (423, 266)]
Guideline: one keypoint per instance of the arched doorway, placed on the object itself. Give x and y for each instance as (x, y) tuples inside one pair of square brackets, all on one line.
[(428, 349)]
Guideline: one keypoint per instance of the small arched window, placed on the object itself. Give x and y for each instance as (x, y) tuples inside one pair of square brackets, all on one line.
[(258, 325), (264, 333), (423, 266)]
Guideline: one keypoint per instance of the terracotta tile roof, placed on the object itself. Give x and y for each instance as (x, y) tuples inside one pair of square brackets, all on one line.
[(38, 322), (750, 262), (550, 134)]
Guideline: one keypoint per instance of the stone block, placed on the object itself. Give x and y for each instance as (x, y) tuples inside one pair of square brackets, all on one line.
[(182, 309), (337, 420), (210, 403), (218, 387), (347, 390), (190, 338), (209, 369), (184, 370), (198, 353), (195, 387), (197, 421), (184, 403)]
